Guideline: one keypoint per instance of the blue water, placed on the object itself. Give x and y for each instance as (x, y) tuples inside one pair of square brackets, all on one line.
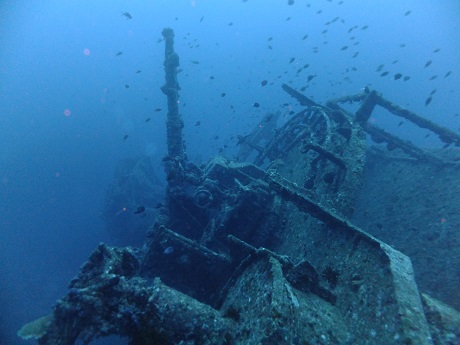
[(68, 99)]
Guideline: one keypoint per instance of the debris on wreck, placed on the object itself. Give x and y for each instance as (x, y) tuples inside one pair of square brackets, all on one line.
[(261, 249)]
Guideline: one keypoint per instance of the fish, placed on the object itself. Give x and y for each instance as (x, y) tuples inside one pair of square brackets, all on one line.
[(304, 37), (407, 13), (355, 55), (436, 50), (158, 109), (310, 77), (344, 48), (428, 100), (223, 94), (380, 68), (138, 71), (168, 250), (201, 20), (195, 62), (126, 86), (263, 82), (256, 105), (270, 38), (429, 62), (119, 53), (292, 60), (290, 2), (148, 119), (211, 77), (364, 27), (447, 74), (127, 15), (433, 77), (406, 78), (197, 123), (397, 76), (433, 92), (384, 73), (139, 210), (125, 137), (268, 118)]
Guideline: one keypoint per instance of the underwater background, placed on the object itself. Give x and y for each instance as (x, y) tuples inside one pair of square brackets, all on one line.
[(80, 91)]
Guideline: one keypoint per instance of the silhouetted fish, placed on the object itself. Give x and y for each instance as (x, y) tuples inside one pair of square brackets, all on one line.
[(407, 13), (147, 119), (223, 94), (125, 137), (119, 53), (139, 210), (428, 100), (292, 60), (197, 123), (256, 105), (406, 78), (447, 74), (429, 62), (397, 76), (263, 82), (127, 15), (384, 73), (158, 109)]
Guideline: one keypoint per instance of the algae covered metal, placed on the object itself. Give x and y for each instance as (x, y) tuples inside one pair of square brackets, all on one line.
[(255, 250)]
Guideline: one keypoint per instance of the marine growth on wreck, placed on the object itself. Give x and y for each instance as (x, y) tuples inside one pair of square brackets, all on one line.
[(268, 247)]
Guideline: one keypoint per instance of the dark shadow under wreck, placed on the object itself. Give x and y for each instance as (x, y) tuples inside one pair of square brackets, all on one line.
[(261, 250)]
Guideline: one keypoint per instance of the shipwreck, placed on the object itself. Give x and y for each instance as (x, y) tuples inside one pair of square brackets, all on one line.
[(273, 246)]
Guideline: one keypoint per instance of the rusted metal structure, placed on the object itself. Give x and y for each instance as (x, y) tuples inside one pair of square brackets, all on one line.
[(261, 249)]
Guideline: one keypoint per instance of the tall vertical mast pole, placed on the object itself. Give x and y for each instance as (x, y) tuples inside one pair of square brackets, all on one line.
[(174, 124)]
